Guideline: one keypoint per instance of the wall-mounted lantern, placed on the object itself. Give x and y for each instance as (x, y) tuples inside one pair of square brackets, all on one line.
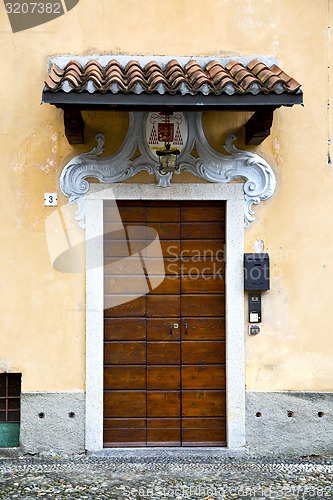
[(167, 156)]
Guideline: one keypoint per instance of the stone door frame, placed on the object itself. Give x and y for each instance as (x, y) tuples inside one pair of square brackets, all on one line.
[(233, 195)]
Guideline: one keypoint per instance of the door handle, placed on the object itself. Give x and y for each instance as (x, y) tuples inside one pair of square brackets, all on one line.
[(171, 329), (185, 328)]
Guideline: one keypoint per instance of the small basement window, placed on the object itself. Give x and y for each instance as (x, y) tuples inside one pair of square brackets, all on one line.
[(10, 407)]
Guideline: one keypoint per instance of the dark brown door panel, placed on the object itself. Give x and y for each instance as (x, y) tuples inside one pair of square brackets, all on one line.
[(204, 437), (134, 265), (170, 249), (162, 214), (164, 378), (135, 306), (202, 328), (164, 334), (163, 404), (125, 329), (124, 377), (204, 423), (125, 353), (205, 352), (124, 404), (163, 306), (119, 249), (203, 377), (202, 266), (172, 266), (202, 284), (163, 353), (135, 284), (119, 230), (209, 249), (165, 230), (163, 329), (124, 423), (124, 432), (202, 213), (198, 230), (169, 286), (127, 214), (203, 403), (202, 305), (164, 437), (124, 437)]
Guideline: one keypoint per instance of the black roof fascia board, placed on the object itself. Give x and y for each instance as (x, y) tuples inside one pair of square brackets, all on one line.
[(153, 101)]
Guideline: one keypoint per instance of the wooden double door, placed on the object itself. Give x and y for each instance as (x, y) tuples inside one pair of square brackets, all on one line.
[(164, 341)]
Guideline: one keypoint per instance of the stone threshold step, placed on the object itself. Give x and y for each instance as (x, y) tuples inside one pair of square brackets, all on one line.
[(171, 452)]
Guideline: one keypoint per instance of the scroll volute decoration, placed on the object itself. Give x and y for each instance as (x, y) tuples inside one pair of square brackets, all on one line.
[(208, 164)]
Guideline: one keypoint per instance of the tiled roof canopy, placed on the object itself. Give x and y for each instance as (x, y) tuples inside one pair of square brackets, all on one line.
[(171, 78), (140, 83)]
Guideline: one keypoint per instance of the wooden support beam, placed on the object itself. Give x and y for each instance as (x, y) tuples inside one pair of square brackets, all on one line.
[(259, 126), (74, 126)]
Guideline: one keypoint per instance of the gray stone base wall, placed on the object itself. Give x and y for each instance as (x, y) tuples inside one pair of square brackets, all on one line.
[(277, 423), (287, 423), (52, 422)]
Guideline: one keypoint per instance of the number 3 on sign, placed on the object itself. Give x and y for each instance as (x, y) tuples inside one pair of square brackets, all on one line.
[(50, 199)]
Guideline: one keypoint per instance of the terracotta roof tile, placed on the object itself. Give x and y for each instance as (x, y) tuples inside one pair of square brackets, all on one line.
[(192, 78)]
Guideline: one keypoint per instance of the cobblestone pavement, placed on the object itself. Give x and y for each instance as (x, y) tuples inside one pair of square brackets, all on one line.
[(174, 477)]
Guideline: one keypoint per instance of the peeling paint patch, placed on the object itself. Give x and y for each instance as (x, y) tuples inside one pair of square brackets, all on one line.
[(37, 161), (21, 201), (259, 246), (276, 43), (6, 365), (276, 148)]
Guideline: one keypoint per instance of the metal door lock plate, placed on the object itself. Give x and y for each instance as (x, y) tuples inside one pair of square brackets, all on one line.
[(175, 325)]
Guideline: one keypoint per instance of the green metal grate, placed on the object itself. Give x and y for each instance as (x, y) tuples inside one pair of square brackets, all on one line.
[(10, 408)]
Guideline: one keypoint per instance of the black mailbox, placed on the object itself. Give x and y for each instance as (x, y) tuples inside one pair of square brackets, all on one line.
[(256, 271)]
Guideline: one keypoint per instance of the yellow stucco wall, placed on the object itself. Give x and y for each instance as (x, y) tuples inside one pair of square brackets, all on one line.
[(42, 312)]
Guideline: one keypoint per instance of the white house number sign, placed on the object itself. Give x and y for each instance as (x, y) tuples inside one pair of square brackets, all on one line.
[(50, 199)]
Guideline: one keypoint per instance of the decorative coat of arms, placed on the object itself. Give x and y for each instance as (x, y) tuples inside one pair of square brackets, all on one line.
[(159, 131)]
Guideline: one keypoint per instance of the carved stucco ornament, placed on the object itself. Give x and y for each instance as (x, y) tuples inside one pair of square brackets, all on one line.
[(208, 164)]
